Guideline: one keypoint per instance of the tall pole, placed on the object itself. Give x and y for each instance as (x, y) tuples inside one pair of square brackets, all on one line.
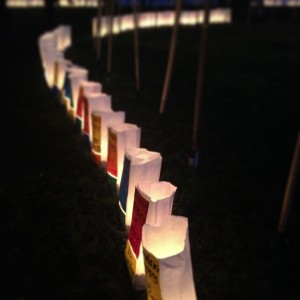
[(200, 77), (119, 13), (290, 188), (136, 45), (99, 25), (165, 92)]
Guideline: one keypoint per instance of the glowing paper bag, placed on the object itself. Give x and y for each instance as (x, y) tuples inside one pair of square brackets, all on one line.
[(116, 24), (47, 45), (67, 87), (105, 21), (67, 91), (63, 37), (61, 66), (100, 122), (96, 102), (188, 17), (127, 22), (50, 61), (75, 79), (147, 19), (120, 136), (82, 112), (138, 164), (165, 18), (167, 259), (46, 41), (152, 205)]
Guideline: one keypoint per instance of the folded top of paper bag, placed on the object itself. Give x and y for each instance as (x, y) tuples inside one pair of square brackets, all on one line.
[(90, 86), (156, 191), (121, 127), (139, 156)]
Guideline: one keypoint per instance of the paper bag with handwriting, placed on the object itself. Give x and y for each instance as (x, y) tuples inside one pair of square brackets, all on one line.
[(152, 205), (96, 102), (82, 112), (139, 164), (167, 259), (100, 122), (120, 136), (67, 90)]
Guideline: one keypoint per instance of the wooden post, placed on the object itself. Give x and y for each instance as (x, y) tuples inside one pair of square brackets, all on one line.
[(119, 13), (171, 58), (136, 44), (200, 76), (99, 23), (290, 188), (110, 37)]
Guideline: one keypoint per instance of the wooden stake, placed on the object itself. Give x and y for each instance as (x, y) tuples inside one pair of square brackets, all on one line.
[(119, 13), (136, 45), (200, 76), (110, 37), (290, 188), (171, 58), (99, 25)]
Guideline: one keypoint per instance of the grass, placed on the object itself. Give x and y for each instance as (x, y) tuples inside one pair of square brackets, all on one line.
[(60, 232)]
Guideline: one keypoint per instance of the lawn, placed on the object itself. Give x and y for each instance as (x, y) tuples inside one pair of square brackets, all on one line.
[(60, 233)]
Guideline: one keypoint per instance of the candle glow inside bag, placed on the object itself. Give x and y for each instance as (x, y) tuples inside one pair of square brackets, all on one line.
[(138, 164), (71, 70), (75, 79), (120, 136), (82, 112), (152, 205), (127, 22), (63, 37), (96, 102), (67, 91), (50, 61), (46, 41), (167, 259), (100, 122), (147, 19), (61, 70)]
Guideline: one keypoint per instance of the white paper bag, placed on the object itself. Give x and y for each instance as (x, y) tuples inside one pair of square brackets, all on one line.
[(46, 41), (152, 205), (96, 102), (139, 164), (50, 61), (63, 37), (67, 87), (127, 22), (82, 111), (147, 19), (75, 79), (61, 66), (167, 259), (120, 136), (100, 122)]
